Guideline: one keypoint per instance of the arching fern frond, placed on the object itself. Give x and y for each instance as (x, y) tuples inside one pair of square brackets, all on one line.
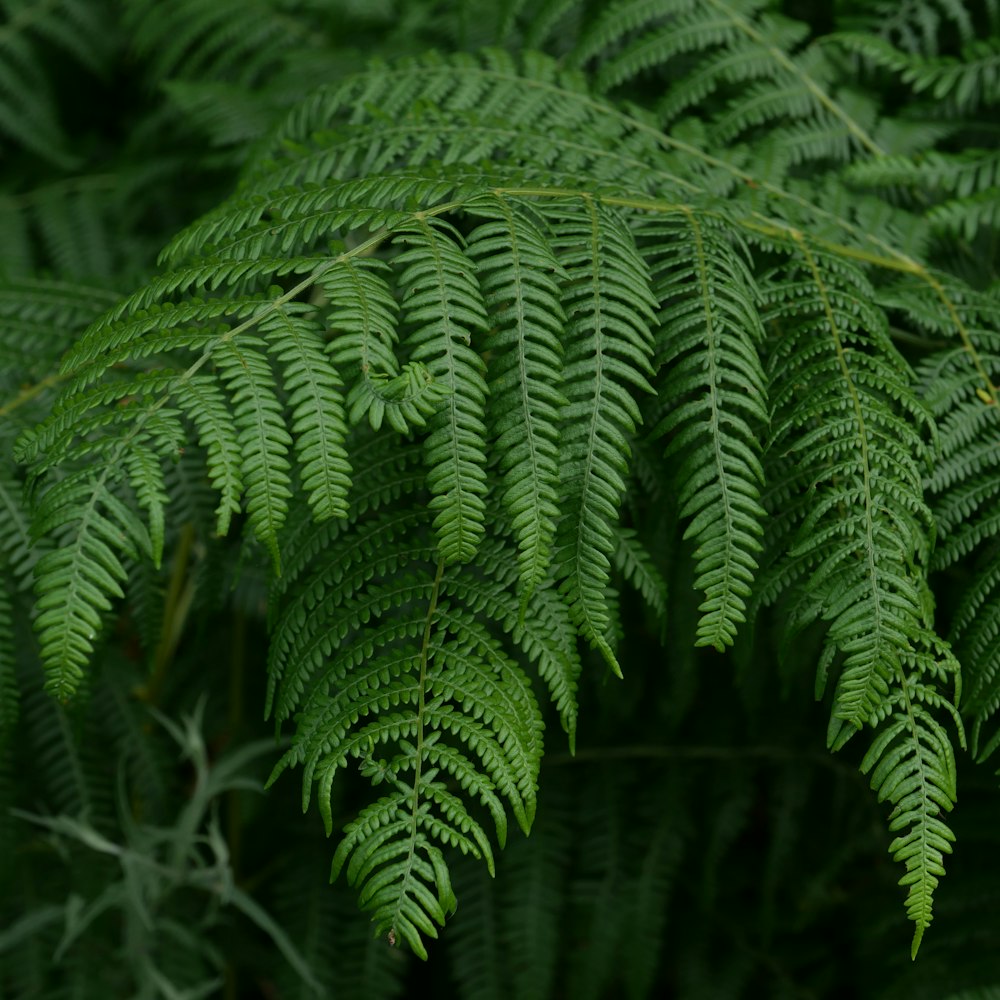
[(479, 263), (855, 442)]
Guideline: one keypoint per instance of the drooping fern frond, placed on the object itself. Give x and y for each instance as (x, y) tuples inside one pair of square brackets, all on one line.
[(610, 310), (43, 315), (519, 274), (393, 671), (712, 373), (640, 568), (848, 483), (959, 384), (853, 444), (975, 633), (912, 765), (443, 307)]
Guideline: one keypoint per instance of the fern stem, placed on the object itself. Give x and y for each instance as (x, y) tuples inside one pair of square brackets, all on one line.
[(891, 260), (234, 723), (28, 393), (176, 605), (963, 333)]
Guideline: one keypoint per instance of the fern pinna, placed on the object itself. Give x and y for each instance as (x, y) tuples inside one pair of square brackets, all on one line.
[(414, 349)]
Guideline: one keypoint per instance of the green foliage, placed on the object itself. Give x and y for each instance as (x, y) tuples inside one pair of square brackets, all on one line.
[(553, 343)]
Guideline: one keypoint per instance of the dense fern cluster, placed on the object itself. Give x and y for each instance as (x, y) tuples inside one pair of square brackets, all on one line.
[(475, 359)]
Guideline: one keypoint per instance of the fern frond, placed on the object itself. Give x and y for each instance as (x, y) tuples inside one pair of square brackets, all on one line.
[(17, 548), (202, 398), (854, 445), (53, 731), (912, 765), (456, 117), (958, 384), (262, 437), (76, 580), (411, 347), (975, 633), (455, 705), (917, 27), (443, 307), (961, 175), (735, 45), (966, 187), (610, 310), (968, 217), (38, 319), (638, 566), (964, 84), (519, 273), (317, 410), (709, 331)]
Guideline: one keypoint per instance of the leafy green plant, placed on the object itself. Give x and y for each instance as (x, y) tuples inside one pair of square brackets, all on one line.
[(495, 391)]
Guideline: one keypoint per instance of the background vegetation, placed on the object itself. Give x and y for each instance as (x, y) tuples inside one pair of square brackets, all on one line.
[(702, 841)]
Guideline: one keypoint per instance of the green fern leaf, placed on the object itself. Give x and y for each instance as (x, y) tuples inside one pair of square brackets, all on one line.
[(263, 439), (27, 109), (457, 687), (203, 399), (519, 275), (913, 766), (443, 306), (317, 409), (635, 562), (76, 580), (610, 310), (709, 333), (855, 445)]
